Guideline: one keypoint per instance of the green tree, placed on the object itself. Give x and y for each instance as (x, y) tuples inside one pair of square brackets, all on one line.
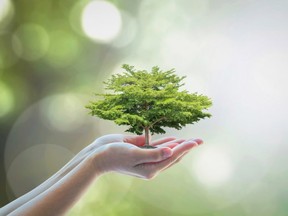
[(148, 101)]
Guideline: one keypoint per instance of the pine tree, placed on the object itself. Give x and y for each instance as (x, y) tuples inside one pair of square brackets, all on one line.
[(149, 101)]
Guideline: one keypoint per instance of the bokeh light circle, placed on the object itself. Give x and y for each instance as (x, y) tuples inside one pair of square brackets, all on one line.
[(64, 48), (5, 5), (62, 121), (6, 99), (34, 165), (101, 21), (64, 112), (30, 41), (6, 11), (34, 127), (212, 167)]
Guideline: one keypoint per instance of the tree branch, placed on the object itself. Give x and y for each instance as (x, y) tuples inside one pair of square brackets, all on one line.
[(158, 120)]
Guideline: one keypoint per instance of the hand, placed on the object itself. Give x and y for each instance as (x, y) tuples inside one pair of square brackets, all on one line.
[(132, 139), (108, 153), (128, 159), (170, 142)]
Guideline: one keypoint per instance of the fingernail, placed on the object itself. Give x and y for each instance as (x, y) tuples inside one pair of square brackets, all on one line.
[(192, 141), (199, 141), (166, 152)]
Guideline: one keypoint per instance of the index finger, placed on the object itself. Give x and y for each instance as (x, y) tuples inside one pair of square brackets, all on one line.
[(178, 151), (162, 140)]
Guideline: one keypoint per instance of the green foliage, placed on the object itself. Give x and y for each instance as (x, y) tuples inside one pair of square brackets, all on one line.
[(150, 100)]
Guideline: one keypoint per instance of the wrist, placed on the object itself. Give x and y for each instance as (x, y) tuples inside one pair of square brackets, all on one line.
[(97, 161)]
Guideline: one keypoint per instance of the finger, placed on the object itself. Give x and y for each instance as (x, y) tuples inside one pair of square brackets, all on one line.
[(179, 141), (169, 145), (173, 142), (151, 155), (199, 142), (162, 140), (135, 140), (177, 153), (176, 161)]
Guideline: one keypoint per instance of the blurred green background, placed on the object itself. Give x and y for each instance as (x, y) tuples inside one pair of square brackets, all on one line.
[(55, 53)]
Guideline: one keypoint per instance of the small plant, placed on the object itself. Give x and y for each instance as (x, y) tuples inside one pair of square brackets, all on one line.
[(148, 101)]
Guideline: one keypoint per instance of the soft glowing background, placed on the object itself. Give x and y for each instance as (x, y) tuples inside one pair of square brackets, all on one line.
[(55, 53)]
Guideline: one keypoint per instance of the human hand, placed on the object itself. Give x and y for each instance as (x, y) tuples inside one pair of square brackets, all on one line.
[(128, 159), (112, 138), (132, 139), (108, 153)]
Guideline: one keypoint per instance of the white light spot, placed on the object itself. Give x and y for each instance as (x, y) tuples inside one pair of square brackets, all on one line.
[(63, 112), (101, 21), (212, 167), (5, 9), (30, 41), (34, 165)]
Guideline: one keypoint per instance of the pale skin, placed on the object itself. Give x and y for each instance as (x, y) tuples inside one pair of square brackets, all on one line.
[(110, 153)]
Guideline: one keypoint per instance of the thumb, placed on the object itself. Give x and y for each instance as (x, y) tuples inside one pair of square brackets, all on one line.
[(153, 155), (135, 140)]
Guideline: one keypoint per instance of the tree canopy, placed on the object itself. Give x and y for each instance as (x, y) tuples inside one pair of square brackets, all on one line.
[(149, 101)]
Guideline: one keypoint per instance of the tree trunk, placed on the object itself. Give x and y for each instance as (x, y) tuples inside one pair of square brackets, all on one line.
[(146, 131)]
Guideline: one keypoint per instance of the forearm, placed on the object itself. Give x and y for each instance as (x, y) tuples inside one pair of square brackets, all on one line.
[(62, 195), (45, 185), (61, 191)]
